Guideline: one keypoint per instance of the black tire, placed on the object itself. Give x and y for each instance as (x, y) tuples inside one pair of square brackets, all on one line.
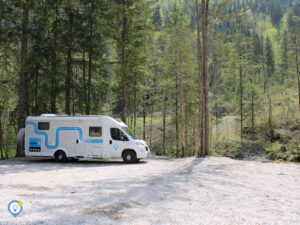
[(60, 157), (129, 157)]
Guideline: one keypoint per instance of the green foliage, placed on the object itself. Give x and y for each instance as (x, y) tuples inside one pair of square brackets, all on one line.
[(286, 152), (156, 18), (80, 45), (228, 149), (270, 63), (276, 12)]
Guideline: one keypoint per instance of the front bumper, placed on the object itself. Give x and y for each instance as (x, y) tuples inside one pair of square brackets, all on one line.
[(143, 152)]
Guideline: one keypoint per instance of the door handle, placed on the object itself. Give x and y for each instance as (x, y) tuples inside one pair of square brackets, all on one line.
[(77, 141), (110, 141)]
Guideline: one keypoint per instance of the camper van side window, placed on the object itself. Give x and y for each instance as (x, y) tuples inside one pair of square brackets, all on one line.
[(43, 125), (95, 131), (117, 135)]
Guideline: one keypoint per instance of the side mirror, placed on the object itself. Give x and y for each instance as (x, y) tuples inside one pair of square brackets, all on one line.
[(125, 138)]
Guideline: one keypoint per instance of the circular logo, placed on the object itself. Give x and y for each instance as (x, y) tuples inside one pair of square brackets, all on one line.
[(15, 207), (116, 146)]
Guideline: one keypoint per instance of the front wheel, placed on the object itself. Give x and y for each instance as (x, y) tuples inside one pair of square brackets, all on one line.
[(129, 157), (60, 156)]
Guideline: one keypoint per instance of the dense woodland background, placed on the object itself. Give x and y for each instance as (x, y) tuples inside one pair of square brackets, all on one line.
[(142, 61)]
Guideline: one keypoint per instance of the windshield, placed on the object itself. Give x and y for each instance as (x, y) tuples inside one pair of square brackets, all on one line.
[(129, 132)]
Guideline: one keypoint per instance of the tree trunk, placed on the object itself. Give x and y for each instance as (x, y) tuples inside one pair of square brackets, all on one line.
[(88, 108), (144, 121), (36, 84), (124, 75), (1, 135), (297, 70), (68, 83), (216, 114), (241, 101), (73, 100), (241, 86), (252, 114), (181, 106), (193, 141), (54, 65), (69, 62), (53, 86), (164, 124), (186, 143), (151, 123), (23, 104), (84, 82), (6, 154), (271, 133), (134, 106), (264, 74), (176, 116), (205, 6), (199, 60)]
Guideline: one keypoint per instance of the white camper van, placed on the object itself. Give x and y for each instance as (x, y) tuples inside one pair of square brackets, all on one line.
[(75, 137)]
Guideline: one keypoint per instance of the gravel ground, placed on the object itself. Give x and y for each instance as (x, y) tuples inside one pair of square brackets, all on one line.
[(182, 191)]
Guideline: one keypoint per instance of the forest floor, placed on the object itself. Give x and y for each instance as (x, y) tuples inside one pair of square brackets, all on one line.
[(209, 190)]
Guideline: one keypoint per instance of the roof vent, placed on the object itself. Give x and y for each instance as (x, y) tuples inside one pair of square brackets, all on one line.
[(48, 115)]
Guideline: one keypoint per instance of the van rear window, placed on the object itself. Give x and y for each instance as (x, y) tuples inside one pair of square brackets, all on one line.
[(95, 131), (43, 125)]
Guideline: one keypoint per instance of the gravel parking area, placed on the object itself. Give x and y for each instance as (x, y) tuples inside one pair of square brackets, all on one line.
[(155, 191)]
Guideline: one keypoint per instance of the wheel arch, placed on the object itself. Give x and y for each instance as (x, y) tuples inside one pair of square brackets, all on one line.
[(129, 150), (58, 150)]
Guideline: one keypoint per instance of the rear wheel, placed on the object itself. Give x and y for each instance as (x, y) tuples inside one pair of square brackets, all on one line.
[(60, 156), (129, 157)]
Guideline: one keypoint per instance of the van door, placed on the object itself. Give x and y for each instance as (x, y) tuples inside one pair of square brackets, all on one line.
[(94, 142), (69, 139), (117, 142), (79, 146)]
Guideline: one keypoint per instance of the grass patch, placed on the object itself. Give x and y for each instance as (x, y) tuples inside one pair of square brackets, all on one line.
[(231, 149), (238, 150), (12, 153), (286, 152)]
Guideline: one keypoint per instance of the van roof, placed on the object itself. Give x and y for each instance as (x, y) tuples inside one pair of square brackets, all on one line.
[(53, 117)]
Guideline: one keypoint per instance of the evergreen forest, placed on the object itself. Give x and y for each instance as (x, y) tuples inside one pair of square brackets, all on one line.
[(190, 77)]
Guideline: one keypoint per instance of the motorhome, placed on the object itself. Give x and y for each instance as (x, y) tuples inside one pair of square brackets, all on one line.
[(76, 137)]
